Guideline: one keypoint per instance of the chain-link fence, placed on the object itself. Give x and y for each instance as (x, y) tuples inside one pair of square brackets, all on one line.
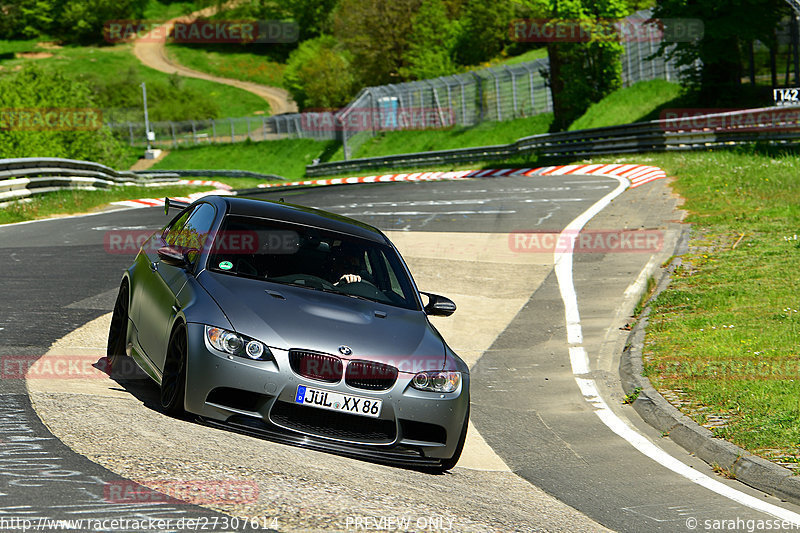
[(497, 93)]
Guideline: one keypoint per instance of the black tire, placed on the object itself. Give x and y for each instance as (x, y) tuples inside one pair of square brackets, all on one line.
[(173, 379), (448, 464), (118, 332)]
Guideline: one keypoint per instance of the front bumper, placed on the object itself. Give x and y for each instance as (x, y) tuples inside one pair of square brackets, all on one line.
[(414, 427)]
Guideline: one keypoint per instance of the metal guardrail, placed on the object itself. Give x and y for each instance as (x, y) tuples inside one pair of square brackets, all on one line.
[(774, 125), (24, 177), (209, 173)]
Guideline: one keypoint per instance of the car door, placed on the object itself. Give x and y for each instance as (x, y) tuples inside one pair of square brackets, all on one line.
[(161, 282)]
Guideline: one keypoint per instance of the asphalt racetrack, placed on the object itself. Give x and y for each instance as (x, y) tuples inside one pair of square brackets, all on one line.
[(551, 446)]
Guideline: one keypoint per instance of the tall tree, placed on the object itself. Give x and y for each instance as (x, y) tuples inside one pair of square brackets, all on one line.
[(484, 30), (581, 73), (713, 64), (432, 42), (376, 33)]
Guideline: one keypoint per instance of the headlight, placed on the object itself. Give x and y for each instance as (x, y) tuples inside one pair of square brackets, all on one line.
[(436, 381), (236, 344)]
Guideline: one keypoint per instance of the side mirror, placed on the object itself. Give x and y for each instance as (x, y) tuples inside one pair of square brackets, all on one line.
[(439, 305), (175, 256)]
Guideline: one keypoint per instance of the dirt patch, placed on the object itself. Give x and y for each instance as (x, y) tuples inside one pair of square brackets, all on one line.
[(49, 45), (32, 55)]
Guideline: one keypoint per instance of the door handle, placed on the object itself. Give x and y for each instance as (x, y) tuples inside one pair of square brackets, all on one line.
[(154, 266)]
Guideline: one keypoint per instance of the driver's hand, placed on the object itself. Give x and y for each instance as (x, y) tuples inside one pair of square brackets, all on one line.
[(349, 278)]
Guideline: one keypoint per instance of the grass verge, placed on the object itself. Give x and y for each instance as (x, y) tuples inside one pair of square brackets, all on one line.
[(484, 134), (69, 202), (285, 157), (638, 102), (722, 341), (231, 62)]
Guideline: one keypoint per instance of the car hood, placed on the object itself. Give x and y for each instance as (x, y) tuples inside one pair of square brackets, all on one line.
[(287, 317)]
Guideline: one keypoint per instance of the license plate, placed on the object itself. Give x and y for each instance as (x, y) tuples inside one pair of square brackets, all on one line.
[(336, 401)]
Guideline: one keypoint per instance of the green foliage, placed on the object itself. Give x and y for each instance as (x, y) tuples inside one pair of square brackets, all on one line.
[(376, 33), (33, 88), (25, 18), (165, 101), (74, 21), (581, 72), (319, 75), (310, 15), (432, 42), (484, 30), (713, 64)]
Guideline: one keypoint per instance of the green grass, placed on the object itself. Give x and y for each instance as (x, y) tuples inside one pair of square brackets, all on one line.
[(155, 10), (92, 60), (530, 55), (229, 61), (484, 134), (638, 102), (286, 157), (725, 335), (9, 48), (76, 201)]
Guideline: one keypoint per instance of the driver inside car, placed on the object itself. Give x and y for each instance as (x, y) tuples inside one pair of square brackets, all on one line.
[(346, 267)]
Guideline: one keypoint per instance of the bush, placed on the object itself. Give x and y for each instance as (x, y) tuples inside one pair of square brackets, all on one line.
[(318, 75), (34, 89)]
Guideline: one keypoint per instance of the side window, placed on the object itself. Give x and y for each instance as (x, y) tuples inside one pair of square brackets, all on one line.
[(192, 228)]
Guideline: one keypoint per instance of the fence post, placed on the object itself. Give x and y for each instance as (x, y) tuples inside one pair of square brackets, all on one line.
[(214, 130), (496, 94), (264, 127), (194, 133), (130, 131), (513, 89), (174, 136), (479, 84), (248, 129), (233, 132)]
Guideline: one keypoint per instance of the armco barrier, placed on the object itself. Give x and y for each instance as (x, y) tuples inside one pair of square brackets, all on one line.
[(23, 177), (718, 130)]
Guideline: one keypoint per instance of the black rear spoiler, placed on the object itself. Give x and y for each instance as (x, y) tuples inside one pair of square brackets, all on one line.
[(173, 204)]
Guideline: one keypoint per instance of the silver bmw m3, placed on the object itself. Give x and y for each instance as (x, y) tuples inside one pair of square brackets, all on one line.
[(294, 324)]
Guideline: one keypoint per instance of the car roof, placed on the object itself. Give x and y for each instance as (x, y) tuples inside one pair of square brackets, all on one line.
[(298, 214)]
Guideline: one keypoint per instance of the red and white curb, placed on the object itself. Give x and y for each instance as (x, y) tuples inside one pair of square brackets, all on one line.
[(636, 174), (221, 189)]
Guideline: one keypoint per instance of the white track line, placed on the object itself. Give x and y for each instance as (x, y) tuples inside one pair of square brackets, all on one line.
[(588, 387)]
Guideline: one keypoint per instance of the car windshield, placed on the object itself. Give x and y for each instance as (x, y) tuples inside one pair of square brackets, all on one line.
[(311, 258)]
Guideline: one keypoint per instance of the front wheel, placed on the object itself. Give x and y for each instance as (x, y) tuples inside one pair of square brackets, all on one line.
[(118, 332), (173, 379), (448, 464)]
